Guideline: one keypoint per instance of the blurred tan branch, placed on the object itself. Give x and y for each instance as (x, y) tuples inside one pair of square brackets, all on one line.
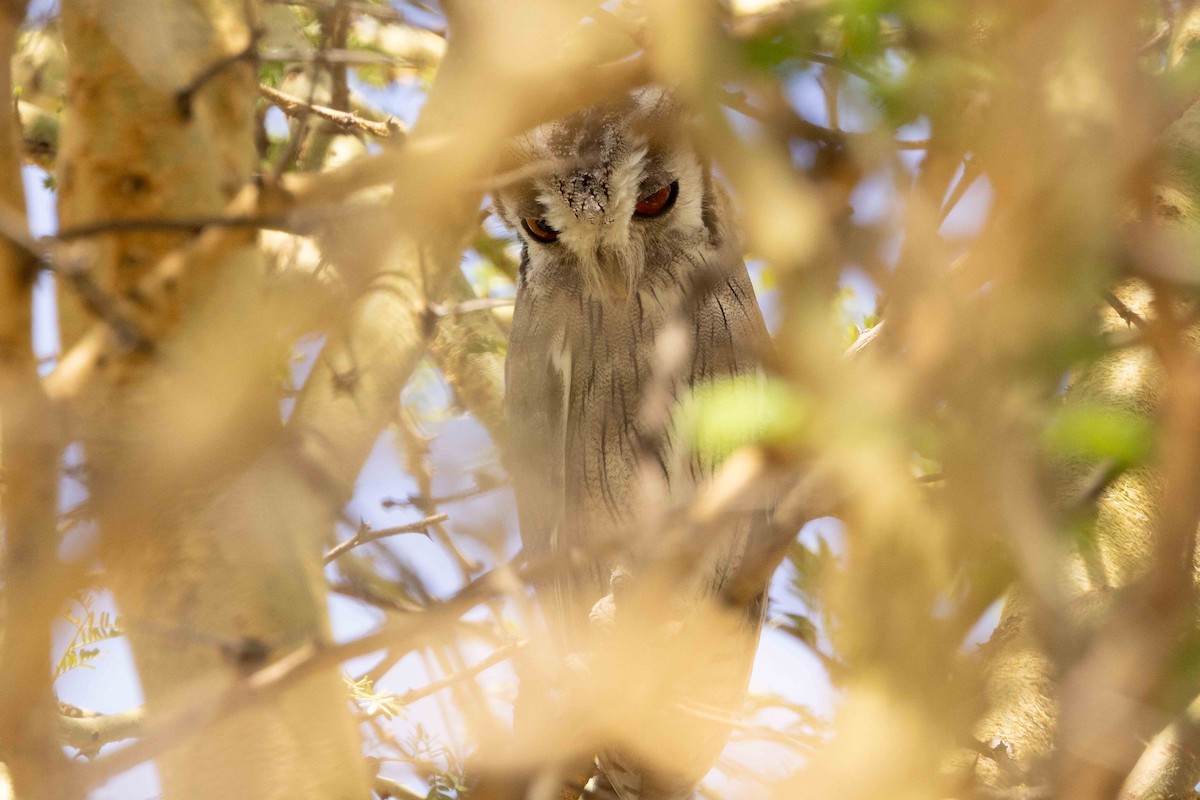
[(88, 731), (33, 581)]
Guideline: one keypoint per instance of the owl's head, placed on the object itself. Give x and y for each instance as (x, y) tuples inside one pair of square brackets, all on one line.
[(618, 191)]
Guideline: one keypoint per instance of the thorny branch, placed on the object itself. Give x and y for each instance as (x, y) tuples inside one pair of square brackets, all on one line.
[(364, 534), (344, 121)]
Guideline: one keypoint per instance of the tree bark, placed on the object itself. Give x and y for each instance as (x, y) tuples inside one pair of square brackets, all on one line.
[(210, 534)]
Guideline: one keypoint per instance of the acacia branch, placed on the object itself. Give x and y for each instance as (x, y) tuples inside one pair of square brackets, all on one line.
[(344, 121), (88, 731), (365, 535)]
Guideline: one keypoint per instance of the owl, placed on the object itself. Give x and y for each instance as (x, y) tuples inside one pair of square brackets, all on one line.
[(624, 232)]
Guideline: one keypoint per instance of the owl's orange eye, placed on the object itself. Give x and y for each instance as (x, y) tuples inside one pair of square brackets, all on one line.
[(539, 229), (658, 203)]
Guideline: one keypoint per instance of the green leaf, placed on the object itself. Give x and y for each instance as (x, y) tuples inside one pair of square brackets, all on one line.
[(1095, 432), (722, 416)]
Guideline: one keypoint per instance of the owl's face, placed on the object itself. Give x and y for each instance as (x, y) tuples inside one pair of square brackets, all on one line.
[(622, 191)]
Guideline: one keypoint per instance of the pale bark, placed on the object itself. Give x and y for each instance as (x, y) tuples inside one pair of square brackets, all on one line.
[(211, 535)]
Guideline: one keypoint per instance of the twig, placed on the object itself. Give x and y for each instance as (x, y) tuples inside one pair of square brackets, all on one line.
[(75, 272), (747, 729), (842, 64), (470, 306), (365, 535), (353, 57), (116, 312), (793, 124), (970, 171), (1160, 35), (1094, 485), (183, 98), (502, 653), (344, 121), (453, 497), (189, 225), (382, 13), (1125, 312), (335, 31)]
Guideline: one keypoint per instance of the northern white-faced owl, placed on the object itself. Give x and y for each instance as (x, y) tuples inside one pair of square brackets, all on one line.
[(624, 231)]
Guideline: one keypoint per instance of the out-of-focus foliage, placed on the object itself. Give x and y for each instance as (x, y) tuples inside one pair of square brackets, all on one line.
[(972, 229), (89, 628)]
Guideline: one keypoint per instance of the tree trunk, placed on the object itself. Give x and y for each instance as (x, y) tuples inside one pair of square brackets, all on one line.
[(211, 538)]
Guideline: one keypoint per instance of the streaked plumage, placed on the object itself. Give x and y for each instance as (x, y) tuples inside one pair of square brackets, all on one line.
[(589, 308)]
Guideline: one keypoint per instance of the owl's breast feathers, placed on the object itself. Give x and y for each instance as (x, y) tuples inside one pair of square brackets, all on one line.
[(577, 372)]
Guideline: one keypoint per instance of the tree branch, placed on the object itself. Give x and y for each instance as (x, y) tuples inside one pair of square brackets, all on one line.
[(365, 535), (33, 583), (344, 121)]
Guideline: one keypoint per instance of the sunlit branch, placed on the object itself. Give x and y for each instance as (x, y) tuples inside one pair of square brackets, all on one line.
[(88, 731), (344, 121), (349, 57), (501, 654)]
